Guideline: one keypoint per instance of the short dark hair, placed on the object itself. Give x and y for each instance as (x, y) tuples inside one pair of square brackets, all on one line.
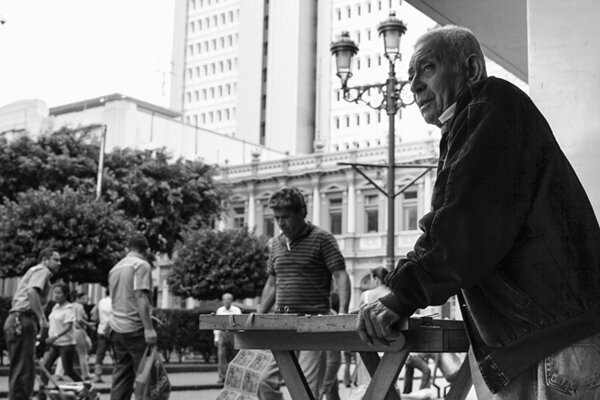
[(65, 289), (46, 253), (380, 272), (290, 198), (138, 242)]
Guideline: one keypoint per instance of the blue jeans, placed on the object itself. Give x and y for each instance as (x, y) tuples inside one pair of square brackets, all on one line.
[(572, 373), (128, 349), (20, 331), (311, 365), (329, 389)]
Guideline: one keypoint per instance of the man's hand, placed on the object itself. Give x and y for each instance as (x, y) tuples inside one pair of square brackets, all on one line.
[(375, 322), (150, 336)]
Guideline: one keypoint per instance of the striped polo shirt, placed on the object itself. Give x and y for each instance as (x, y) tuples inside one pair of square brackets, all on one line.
[(303, 270)]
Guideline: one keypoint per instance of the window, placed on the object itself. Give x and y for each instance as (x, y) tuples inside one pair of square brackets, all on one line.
[(211, 117), (192, 26), (227, 114), (339, 14), (337, 123), (357, 119), (349, 12), (196, 95), (358, 9), (371, 213), (368, 34), (409, 211), (368, 118), (228, 88), (268, 222), (239, 216), (335, 216)]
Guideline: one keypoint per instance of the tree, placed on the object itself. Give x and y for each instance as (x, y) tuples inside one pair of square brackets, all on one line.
[(90, 233), (163, 195), (209, 263), (158, 194), (64, 158)]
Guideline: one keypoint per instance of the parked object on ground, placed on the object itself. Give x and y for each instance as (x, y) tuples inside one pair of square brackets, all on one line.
[(65, 391)]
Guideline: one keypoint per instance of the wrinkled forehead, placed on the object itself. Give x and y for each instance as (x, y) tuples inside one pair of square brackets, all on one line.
[(428, 47)]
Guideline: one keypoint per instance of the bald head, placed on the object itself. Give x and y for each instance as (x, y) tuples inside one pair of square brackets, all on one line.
[(227, 300)]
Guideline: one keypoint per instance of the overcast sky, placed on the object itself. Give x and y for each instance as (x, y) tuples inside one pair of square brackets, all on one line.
[(63, 51)]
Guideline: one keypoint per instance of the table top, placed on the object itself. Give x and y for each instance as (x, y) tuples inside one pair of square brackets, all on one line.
[(334, 332)]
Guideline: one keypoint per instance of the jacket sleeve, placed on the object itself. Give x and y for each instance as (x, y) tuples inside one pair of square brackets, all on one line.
[(480, 200)]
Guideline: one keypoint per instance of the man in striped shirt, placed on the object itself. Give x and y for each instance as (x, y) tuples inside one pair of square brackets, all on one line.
[(303, 260)]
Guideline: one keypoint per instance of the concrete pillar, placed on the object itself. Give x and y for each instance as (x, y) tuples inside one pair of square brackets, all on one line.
[(251, 206), (564, 80), (351, 202), (316, 214)]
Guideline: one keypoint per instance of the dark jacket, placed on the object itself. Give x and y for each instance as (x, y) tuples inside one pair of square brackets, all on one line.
[(511, 231)]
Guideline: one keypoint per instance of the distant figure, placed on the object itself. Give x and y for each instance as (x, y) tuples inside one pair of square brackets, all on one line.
[(101, 314), (82, 340), (26, 318), (378, 289), (224, 339), (61, 336), (130, 284)]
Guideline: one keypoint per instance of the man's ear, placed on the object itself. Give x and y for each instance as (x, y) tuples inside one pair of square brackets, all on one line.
[(475, 68)]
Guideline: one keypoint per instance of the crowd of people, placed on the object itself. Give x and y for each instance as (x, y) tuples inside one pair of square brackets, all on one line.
[(511, 232)]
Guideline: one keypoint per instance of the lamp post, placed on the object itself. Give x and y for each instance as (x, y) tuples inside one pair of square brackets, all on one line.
[(395, 95)]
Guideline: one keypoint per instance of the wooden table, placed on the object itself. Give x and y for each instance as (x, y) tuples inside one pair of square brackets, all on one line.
[(283, 334)]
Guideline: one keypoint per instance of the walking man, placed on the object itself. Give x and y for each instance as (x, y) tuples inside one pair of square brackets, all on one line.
[(130, 284), (26, 318), (302, 262), (224, 339)]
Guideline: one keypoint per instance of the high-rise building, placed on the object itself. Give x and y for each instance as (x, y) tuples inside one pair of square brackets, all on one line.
[(262, 70)]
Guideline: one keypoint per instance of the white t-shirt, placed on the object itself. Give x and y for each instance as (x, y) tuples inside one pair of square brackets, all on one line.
[(59, 318), (104, 313), (223, 311)]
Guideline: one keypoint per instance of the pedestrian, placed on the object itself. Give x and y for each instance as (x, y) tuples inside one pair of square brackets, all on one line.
[(130, 284), (302, 262), (101, 314), (511, 232), (332, 361), (82, 340), (26, 318), (224, 339), (61, 337), (378, 289)]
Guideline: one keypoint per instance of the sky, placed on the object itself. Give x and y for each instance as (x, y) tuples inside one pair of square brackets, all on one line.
[(63, 51)]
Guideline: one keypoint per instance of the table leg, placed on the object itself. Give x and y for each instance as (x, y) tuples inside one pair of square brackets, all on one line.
[(462, 383), (292, 375), (385, 374)]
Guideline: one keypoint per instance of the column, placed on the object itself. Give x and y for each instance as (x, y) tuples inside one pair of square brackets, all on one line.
[(564, 80), (316, 214), (351, 202), (251, 206)]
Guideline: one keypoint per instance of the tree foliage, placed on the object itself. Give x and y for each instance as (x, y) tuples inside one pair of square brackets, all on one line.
[(89, 233), (64, 158), (163, 195), (154, 193), (209, 263)]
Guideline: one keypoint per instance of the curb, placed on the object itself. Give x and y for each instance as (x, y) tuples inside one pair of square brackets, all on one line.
[(180, 388)]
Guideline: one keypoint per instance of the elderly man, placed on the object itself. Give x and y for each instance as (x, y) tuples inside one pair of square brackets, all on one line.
[(302, 262), (224, 339), (25, 320), (511, 231)]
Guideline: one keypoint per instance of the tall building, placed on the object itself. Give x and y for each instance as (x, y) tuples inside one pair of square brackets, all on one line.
[(262, 71)]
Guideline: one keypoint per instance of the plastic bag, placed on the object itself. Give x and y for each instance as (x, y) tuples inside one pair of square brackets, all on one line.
[(152, 381)]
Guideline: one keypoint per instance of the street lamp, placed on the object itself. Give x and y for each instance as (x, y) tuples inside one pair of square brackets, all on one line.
[(395, 95)]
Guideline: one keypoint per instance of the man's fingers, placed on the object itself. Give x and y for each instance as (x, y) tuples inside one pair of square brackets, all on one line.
[(361, 329)]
